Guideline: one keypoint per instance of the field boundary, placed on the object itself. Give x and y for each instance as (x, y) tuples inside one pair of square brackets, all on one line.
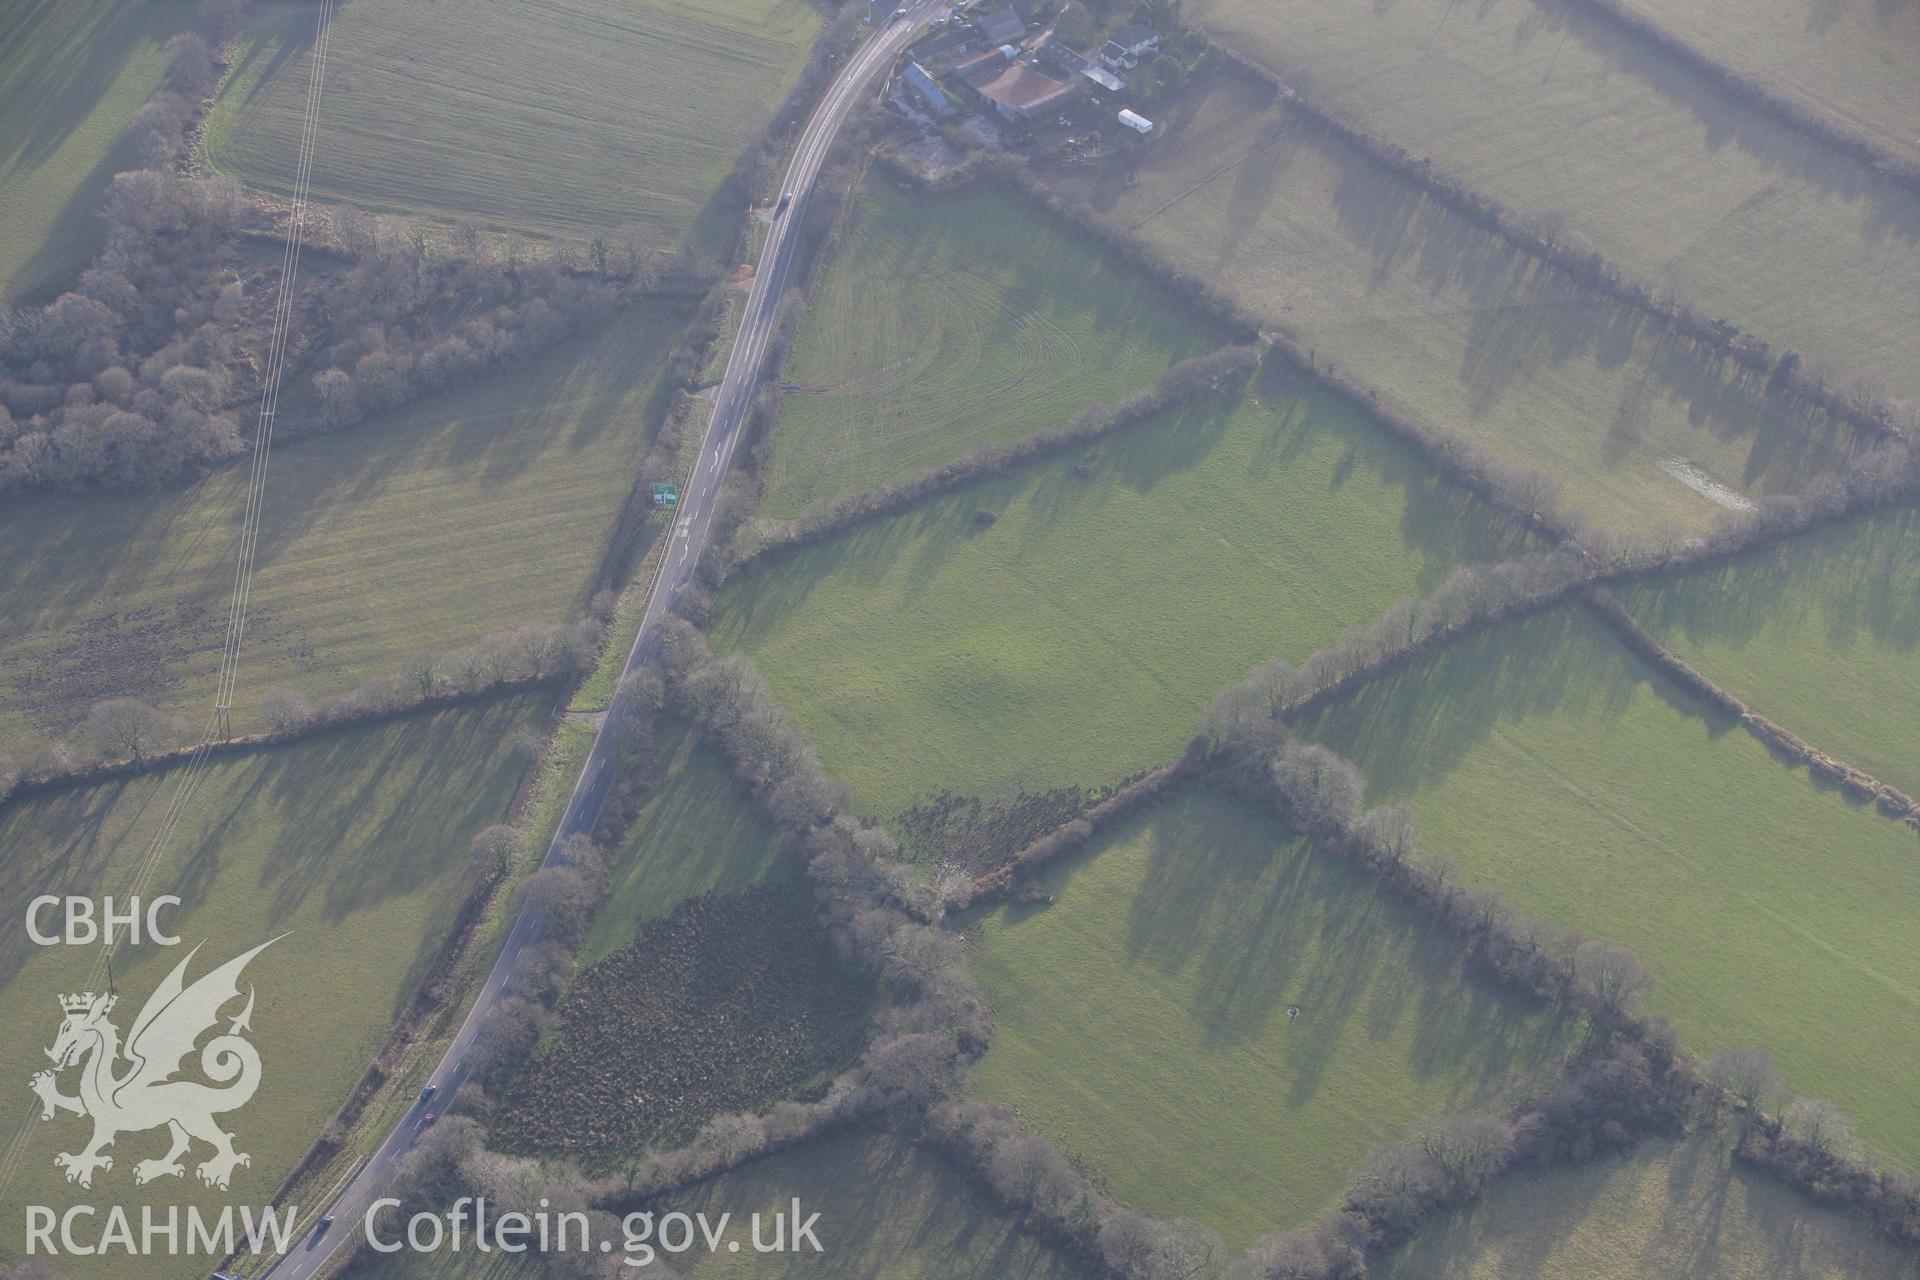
[(1755, 93), (1217, 375), (1854, 781), (1785, 370)]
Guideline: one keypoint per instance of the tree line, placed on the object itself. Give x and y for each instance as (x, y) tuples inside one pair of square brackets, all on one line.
[(1217, 374), (122, 735), (1856, 782), (1860, 399), (143, 373), (1832, 128)]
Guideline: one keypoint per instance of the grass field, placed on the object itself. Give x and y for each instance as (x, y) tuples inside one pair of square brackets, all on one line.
[(1555, 767), (948, 324), (1672, 1210), (1546, 107), (1821, 633), (451, 519), (887, 1212), (353, 844), (1452, 322), (1141, 1023), (1848, 60), (1078, 637), (72, 73), (557, 117), (696, 833)]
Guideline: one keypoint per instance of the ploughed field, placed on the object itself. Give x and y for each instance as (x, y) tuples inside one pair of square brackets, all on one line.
[(947, 324), (1546, 106), (1554, 766), (1077, 638), (450, 519), (349, 847), (1643, 430), (556, 117), (1141, 1019)]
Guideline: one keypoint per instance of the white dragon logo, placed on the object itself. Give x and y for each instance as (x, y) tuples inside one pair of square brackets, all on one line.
[(144, 1096)]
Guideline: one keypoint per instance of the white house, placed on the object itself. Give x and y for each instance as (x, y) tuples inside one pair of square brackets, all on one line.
[(1124, 49)]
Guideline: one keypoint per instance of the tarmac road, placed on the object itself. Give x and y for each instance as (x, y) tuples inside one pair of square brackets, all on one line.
[(308, 1254)]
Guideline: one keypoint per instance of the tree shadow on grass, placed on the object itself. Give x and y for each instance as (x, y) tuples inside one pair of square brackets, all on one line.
[(1708, 1220), (1413, 725), (1858, 582), (894, 1209), (1264, 920), (1724, 121), (1522, 320), (49, 95), (169, 550)]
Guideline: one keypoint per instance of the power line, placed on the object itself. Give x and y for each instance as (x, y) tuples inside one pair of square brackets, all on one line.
[(188, 779)]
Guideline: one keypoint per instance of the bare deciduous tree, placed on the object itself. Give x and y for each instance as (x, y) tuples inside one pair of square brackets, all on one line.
[(1747, 1075), (1820, 1125), (128, 729), (1612, 973)]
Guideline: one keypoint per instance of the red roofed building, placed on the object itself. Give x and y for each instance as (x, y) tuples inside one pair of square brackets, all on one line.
[(1020, 91)]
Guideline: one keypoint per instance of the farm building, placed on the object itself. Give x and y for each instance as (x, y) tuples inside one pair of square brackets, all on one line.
[(1019, 90), (1073, 64), (1002, 25), (930, 93), (987, 60), (1124, 49)]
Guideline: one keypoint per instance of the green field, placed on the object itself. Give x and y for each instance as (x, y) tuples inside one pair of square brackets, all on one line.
[(1669, 1211), (353, 844), (1140, 1021), (947, 324), (1556, 768), (451, 519), (1821, 633), (696, 833), (1452, 322), (1846, 60), (1078, 637), (887, 1212), (72, 73), (557, 117), (1544, 106)]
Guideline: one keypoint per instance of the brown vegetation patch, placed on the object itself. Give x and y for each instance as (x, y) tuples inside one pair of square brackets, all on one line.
[(732, 1002), (978, 836)]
